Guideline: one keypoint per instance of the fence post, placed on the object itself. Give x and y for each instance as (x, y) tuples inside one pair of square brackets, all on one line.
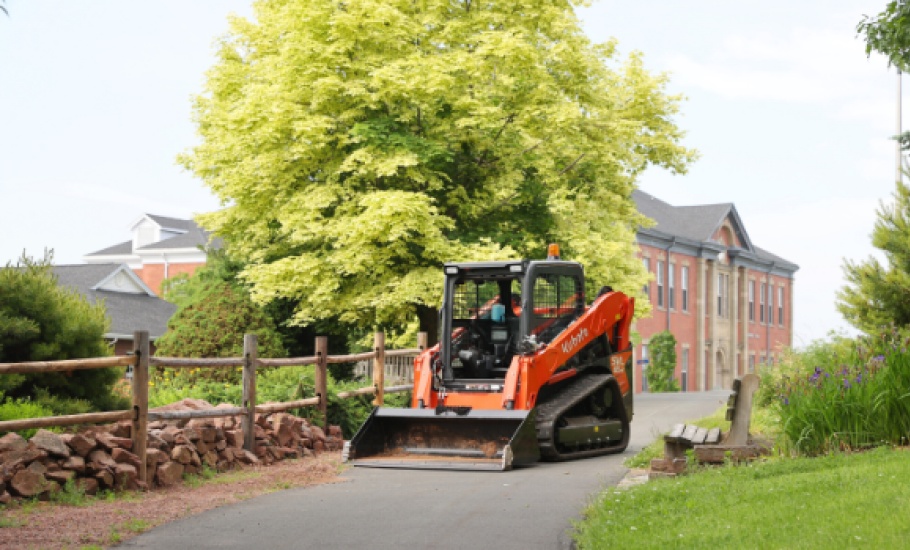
[(322, 349), (379, 368), (250, 356), (140, 391), (422, 341)]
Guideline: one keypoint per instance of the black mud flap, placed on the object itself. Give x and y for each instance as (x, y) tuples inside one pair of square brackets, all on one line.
[(448, 440)]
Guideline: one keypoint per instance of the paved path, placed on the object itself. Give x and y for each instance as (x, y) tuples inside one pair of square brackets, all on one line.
[(524, 509)]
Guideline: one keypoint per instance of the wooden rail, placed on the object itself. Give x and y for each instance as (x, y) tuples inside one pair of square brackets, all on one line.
[(141, 360)]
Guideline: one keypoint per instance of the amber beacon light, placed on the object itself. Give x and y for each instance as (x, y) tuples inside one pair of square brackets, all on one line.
[(553, 251)]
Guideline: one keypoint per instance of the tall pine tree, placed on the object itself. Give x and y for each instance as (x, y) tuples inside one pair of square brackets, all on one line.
[(877, 295)]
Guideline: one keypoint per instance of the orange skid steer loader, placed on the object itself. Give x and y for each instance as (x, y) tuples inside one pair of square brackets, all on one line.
[(525, 370)]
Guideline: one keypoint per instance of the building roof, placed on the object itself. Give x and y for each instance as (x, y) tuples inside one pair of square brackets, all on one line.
[(173, 224), (189, 236), (129, 303), (699, 223)]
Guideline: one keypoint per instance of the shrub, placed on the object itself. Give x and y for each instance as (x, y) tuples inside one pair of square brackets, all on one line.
[(661, 371), (22, 408), (211, 323), (41, 321), (847, 400)]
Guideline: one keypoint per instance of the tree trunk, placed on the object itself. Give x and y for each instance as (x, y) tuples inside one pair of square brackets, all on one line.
[(429, 323)]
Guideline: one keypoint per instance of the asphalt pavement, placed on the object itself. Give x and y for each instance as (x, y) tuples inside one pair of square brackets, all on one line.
[(523, 509)]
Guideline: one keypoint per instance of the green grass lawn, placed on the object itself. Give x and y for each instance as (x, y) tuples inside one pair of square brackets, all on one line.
[(860, 500)]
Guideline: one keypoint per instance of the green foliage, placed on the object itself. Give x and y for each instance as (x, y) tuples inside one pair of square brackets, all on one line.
[(850, 399), (41, 321), (876, 295), (888, 33), (359, 145), (660, 372), (198, 480), (71, 494), (212, 318), (840, 501), (23, 408)]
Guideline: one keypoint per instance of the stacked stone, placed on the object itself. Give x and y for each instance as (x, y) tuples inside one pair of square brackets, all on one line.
[(101, 457)]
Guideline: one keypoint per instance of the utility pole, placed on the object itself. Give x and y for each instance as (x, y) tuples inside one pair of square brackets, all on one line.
[(899, 177)]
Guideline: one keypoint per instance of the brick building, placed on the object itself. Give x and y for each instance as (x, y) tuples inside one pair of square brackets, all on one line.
[(728, 303), (160, 248)]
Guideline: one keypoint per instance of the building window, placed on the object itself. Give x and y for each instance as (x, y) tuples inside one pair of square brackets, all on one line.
[(752, 302), (722, 297), (671, 287), (684, 287), (751, 363), (770, 303), (780, 305), (761, 304), (660, 283), (647, 287)]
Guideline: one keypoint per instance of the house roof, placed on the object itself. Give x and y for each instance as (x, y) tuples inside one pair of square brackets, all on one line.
[(173, 224), (189, 236), (129, 303), (120, 249), (699, 223)]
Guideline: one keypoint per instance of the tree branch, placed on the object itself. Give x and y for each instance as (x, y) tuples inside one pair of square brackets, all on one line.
[(509, 119), (569, 167)]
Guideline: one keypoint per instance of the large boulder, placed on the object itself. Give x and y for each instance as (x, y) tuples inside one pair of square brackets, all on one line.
[(169, 473), (81, 444), (122, 456), (12, 442), (74, 463), (27, 483), (51, 443), (183, 454)]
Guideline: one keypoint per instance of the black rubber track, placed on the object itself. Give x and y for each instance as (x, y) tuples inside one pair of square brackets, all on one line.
[(549, 413)]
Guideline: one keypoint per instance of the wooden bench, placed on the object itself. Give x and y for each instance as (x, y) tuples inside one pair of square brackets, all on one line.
[(712, 446)]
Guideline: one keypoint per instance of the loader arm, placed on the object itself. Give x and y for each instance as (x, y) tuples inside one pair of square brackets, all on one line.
[(609, 316)]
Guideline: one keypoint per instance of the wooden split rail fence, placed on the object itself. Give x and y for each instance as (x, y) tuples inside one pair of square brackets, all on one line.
[(141, 360)]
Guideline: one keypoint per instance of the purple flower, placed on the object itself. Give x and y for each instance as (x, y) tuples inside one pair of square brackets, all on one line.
[(846, 384), (814, 377)]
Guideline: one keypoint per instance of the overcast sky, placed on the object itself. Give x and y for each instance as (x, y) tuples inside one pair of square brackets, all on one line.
[(791, 118)]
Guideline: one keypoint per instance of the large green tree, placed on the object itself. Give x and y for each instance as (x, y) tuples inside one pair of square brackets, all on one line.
[(41, 321), (877, 294), (358, 145)]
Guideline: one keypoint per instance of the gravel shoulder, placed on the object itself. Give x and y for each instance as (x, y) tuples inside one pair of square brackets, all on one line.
[(105, 522)]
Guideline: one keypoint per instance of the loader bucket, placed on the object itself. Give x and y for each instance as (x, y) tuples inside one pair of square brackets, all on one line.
[(423, 439)]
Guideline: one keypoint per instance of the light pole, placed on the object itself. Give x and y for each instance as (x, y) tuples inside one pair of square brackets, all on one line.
[(899, 177)]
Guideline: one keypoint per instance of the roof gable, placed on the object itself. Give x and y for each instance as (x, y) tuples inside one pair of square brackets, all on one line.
[(129, 303), (108, 277), (699, 223), (123, 279)]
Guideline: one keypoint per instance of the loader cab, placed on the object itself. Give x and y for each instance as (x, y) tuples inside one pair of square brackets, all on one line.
[(495, 310)]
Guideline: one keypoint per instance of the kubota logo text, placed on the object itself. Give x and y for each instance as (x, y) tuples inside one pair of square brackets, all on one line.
[(573, 342), (617, 364)]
